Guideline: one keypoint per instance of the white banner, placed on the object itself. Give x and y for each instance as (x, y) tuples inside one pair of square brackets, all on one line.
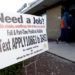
[(21, 37)]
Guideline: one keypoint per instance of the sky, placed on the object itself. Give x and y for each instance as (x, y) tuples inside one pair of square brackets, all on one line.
[(12, 5)]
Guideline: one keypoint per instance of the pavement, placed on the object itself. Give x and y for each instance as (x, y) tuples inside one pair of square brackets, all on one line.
[(63, 49)]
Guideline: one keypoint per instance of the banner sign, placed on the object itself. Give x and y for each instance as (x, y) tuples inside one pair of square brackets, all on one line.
[(21, 36)]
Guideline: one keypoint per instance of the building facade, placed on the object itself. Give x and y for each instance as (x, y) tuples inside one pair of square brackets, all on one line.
[(53, 9)]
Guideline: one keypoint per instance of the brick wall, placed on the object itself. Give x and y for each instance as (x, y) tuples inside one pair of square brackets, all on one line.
[(43, 64)]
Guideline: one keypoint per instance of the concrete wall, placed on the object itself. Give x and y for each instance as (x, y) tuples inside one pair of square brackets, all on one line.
[(53, 22)]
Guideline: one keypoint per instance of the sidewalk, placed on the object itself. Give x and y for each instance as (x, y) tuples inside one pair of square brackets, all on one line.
[(63, 49)]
